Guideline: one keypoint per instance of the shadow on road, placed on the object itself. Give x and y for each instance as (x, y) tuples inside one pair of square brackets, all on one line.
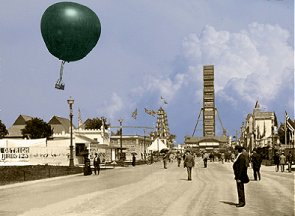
[(229, 203)]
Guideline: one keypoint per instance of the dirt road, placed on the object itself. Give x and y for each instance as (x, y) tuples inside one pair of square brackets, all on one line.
[(150, 190)]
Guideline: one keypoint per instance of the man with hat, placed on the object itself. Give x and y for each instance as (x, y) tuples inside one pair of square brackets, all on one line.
[(241, 177), (256, 164), (96, 164), (189, 163)]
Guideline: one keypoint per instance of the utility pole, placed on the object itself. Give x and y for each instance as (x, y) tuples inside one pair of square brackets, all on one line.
[(286, 131), (144, 148), (121, 138), (71, 102)]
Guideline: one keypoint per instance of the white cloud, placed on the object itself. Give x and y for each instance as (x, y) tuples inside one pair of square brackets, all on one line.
[(249, 64), (166, 86), (252, 64), (112, 107)]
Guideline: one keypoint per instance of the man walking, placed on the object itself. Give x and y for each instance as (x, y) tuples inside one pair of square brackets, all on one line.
[(256, 164), (189, 163), (133, 159), (96, 164), (276, 159), (289, 161), (282, 161), (241, 177), (205, 159), (165, 159), (178, 156)]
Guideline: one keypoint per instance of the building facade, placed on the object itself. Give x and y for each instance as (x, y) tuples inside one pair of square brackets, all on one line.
[(260, 129), (131, 144)]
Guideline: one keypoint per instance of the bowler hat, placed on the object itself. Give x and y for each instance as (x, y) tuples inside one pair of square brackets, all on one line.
[(239, 148)]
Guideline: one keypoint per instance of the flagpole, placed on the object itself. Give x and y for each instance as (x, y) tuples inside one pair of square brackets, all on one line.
[(286, 128)]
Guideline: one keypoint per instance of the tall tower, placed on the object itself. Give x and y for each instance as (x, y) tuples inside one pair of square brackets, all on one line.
[(162, 124), (208, 101), (209, 141)]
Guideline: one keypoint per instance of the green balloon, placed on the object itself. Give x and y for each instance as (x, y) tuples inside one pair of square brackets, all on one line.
[(70, 30)]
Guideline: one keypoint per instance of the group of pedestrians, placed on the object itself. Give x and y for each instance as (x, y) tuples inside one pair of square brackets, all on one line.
[(242, 160), (96, 165), (188, 161), (280, 160)]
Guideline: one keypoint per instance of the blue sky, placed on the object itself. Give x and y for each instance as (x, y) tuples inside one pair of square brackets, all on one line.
[(150, 49)]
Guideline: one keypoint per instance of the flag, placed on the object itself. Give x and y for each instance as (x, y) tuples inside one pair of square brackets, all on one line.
[(289, 129), (134, 114), (289, 123), (164, 101), (149, 112)]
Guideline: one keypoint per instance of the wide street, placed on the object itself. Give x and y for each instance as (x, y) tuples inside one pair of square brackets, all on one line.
[(151, 190)]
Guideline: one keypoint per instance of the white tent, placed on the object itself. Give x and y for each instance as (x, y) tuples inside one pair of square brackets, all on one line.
[(157, 145)]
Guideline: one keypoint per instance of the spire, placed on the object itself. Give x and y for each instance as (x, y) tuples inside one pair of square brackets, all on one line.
[(80, 122), (257, 105)]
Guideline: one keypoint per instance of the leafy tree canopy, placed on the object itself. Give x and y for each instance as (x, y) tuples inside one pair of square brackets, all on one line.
[(3, 130), (37, 128), (96, 123)]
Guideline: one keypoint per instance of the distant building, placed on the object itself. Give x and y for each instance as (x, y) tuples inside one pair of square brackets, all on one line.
[(60, 124), (131, 144), (260, 129), (15, 131), (56, 150)]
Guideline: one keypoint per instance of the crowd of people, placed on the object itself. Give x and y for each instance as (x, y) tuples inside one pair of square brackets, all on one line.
[(241, 159)]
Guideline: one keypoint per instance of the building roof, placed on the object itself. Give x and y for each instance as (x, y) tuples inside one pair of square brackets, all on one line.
[(60, 124), (87, 139), (195, 140), (22, 119), (18, 125), (264, 115)]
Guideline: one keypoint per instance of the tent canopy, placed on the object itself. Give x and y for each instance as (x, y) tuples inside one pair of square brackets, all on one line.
[(157, 145)]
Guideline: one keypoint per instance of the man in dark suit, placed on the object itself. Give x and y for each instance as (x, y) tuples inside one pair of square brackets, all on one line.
[(96, 164), (256, 164), (241, 177), (166, 159), (189, 163)]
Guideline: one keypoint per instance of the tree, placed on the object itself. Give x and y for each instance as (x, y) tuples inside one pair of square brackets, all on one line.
[(37, 128), (3, 130), (95, 123)]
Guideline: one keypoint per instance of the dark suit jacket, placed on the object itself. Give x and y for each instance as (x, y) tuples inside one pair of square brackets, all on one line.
[(240, 169), (189, 161), (96, 161), (256, 160)]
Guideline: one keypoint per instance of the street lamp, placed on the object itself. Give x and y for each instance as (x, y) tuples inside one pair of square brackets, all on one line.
[(144, 149), (71, 102), (121, 132)]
